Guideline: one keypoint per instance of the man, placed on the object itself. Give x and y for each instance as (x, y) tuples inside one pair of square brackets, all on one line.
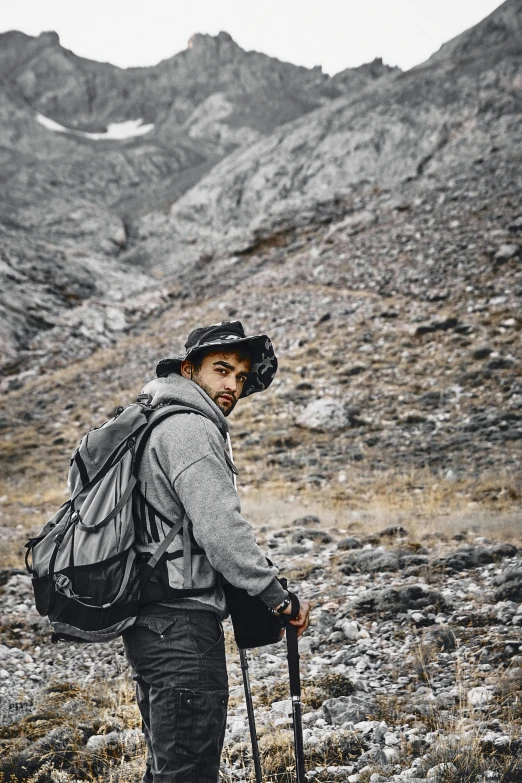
[(176, 647)]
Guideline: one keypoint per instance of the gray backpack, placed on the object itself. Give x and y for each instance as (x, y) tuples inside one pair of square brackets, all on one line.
[(85, 573)]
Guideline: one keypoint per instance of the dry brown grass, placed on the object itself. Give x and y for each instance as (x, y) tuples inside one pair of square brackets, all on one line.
[(440, 507), (459, 731), (443, 508), (47, 743), (313, 694), (45, 419), (341, 748)]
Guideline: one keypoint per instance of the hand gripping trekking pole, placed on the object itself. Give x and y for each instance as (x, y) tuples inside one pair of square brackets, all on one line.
[(295, 690), (250, 713)]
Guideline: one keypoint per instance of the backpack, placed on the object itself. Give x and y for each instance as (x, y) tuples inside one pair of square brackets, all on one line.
[(86, 576)]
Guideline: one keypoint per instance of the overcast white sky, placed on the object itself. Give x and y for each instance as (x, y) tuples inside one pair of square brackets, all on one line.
[(333, 33)]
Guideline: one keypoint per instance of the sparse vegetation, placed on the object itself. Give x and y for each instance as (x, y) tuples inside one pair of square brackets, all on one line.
[(48, 743)]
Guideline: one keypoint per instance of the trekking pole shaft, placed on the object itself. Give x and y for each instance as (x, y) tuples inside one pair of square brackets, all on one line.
[(298, 741), (295, 692), (251, 718)]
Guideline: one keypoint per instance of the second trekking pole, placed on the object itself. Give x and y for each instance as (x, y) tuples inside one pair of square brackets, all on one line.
[(250, 713)]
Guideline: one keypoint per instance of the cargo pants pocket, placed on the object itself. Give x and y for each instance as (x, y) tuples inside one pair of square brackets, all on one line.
[(199, 721)]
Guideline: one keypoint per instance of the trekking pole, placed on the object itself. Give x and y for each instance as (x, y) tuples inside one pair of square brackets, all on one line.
[(250, 713), (246, 679), (295, 692)]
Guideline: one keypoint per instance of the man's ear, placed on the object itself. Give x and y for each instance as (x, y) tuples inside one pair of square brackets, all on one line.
[(186, 369)]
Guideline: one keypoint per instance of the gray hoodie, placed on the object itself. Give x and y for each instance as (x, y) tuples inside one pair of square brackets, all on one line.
[(184, 471)]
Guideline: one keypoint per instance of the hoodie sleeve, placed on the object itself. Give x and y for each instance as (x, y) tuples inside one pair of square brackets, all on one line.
[(212, 504)]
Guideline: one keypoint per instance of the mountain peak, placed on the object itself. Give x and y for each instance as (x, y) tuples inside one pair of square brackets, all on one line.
[(50, 37), (502, 28), (205, 41)]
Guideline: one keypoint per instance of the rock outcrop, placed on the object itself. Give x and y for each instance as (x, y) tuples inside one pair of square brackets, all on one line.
[(424, 126)]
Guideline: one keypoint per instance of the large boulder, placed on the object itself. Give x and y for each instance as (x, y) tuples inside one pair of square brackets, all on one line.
[(359, 706), (369, 561), (411, 597), (324, 414), (509, 585)]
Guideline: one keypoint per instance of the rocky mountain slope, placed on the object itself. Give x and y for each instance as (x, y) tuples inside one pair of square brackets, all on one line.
[(295, 145), (69, 198), (394, 308), (423, 126)]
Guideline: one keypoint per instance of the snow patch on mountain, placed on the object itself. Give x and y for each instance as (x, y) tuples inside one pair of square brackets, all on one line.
[(116, 131)]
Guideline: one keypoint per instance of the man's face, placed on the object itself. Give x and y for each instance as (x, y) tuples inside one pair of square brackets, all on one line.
[(222, 376)]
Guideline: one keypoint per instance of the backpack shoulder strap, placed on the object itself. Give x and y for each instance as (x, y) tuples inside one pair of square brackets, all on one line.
[(181, 526), (156, 416)]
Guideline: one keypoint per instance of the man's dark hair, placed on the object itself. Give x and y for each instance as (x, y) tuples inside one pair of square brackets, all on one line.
[(196, 359)]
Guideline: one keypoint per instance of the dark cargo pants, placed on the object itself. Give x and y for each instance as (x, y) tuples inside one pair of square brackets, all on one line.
[(178, 658)]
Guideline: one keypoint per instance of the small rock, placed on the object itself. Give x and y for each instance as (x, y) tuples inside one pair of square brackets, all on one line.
[(379, 732), (350, 630), (353, 369), (349, 543), (516, 225), (320, 536), (369, 561), (479, 697), (282, 709), (442, 771), (500, 363), (467, 557), (307, 521), (395, 601), (130, 738), (7, 573), (506, 253), (394, 531), (499, 551), (482, 353), (324, 622), (442, 638), (510, 582)]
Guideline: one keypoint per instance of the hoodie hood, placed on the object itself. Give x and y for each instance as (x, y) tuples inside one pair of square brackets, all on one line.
[(176, 388)]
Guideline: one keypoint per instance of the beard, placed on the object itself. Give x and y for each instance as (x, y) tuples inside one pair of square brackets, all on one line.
[(226, 408)]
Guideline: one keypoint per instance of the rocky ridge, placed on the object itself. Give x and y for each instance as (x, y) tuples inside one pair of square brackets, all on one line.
[(411, 669), (422, 126), (74, 200), (296, 148)]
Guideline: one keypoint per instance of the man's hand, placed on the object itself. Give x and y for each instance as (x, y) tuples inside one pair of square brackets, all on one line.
[(302, 621)]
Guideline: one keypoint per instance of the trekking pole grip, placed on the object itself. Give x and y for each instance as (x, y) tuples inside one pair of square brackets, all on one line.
[(293, 660)]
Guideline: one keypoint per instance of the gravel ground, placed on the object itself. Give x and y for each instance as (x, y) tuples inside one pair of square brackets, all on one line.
[(415, 649)]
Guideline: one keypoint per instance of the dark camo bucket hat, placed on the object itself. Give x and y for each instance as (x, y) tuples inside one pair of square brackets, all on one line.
[(229, 335)]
